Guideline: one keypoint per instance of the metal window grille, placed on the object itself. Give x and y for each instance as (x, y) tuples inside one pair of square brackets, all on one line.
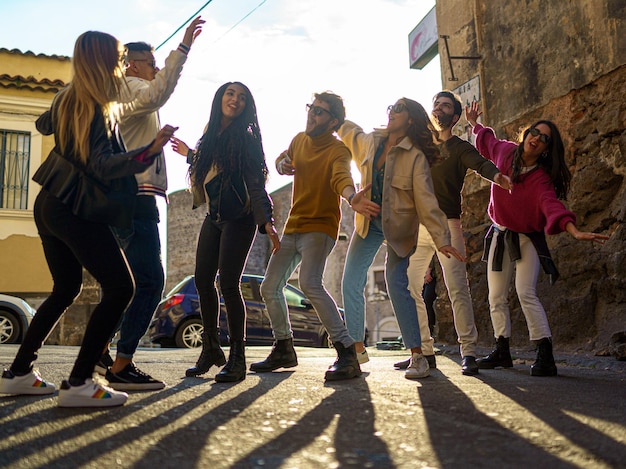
[(14, 169)]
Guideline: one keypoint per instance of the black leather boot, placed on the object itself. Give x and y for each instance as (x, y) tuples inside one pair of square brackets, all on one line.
[(346, 366), (212, 354), (235, 369), (283, 355), (469, 367), (500, 356), (544, 364)]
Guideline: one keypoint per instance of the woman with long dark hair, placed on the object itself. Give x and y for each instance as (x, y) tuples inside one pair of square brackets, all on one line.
[(83, 121), (521, 217), (228, 172), (396, 162)]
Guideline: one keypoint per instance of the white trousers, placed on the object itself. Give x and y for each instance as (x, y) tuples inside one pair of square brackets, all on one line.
[(527, 272), (455, 278)]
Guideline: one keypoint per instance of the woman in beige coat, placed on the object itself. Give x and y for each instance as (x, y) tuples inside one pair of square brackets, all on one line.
[(396, 162)]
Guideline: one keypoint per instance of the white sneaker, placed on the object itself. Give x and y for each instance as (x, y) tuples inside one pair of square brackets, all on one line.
[(31, 383), (418, 367), (90, 394), (362, 357)]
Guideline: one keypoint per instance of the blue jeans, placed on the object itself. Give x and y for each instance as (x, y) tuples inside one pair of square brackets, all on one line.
[(358, 260), (361, 253), (142, 247), (401, 299), (310, 250)]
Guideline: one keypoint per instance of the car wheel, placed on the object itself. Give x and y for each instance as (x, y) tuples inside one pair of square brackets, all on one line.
[(9, 328), (189, 334)]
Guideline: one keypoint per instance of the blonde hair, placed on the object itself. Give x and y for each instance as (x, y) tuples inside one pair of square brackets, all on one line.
[(95, 86)]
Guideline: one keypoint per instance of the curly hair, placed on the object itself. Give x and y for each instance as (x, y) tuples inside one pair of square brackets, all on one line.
[(237, 146), (421, 131), (552, 160)]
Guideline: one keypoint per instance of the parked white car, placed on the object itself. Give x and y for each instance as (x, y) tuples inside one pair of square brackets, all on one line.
[(15, 316)]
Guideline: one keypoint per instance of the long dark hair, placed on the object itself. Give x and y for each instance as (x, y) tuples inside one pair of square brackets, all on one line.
[(238, 145), (552, 160), (422, 130)]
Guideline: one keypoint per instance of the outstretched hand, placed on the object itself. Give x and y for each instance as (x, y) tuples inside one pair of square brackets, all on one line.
[(193, 30), (503, 181), (448, 251), (585, 235), (284, 164), (164, 136), (589, 236), (179, 146), (363, 205), (472, 113)]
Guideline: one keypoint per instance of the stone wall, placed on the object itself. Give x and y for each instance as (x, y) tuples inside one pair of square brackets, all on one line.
[(563, 61)]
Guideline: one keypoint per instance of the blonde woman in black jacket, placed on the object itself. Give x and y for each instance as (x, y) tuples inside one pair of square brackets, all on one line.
[(82, 121)]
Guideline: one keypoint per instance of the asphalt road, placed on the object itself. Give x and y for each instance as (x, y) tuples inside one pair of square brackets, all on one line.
[(293, 419)]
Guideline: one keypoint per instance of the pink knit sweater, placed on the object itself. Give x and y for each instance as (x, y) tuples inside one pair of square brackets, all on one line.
[(532, 205)]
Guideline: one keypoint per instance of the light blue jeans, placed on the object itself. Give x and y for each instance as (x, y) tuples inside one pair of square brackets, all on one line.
[(310, 250), (358, 260)]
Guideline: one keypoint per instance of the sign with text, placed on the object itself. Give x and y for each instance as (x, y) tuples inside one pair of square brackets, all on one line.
[(468, 92), (423, 41)]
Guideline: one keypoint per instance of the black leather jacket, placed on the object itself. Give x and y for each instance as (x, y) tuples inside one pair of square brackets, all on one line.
[(108, 162)]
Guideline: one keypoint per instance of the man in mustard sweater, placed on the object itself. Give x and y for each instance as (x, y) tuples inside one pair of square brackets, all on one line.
[(320, 164)]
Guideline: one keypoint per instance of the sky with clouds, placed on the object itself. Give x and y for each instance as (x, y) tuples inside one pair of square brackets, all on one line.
[(285, 50)]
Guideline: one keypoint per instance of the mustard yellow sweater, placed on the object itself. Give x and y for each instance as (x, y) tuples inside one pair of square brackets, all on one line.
[(322, 167)]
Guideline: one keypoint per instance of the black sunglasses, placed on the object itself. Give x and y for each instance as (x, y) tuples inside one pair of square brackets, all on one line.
[(318, 111), (542, 137), (396, 108)]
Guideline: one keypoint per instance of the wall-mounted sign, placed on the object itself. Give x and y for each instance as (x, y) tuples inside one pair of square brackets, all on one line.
[(468, 92), (423, 41)]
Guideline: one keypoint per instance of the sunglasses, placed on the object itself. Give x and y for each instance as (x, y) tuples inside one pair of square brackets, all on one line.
[(396, 108), (318, 111), (542, 137), (150, 63)]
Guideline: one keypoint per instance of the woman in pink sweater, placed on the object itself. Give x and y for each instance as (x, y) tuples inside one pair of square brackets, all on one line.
[(521, 217)]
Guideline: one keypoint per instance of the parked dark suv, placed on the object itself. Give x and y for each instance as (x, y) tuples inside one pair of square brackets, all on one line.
[(177, 321)]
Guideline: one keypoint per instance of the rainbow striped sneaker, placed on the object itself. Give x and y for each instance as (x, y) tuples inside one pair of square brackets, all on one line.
[(30, 383), (90, 394)]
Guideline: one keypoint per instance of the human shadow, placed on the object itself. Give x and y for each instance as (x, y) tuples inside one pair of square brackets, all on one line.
[(85, 453), (356, 442), (586, 393), (193, 434), (461, 435)]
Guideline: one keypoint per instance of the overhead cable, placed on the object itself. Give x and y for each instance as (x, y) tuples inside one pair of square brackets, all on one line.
[(183, 25)]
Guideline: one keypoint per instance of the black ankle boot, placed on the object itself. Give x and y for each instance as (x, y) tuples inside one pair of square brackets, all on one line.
[(235, 369), (346, 366), (500, 356), (212, 354), (283, 355), (544, 364)]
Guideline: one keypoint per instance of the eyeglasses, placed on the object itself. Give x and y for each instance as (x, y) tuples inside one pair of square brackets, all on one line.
[(396, 108), (318, 111), (150, 63), (542, 137)]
